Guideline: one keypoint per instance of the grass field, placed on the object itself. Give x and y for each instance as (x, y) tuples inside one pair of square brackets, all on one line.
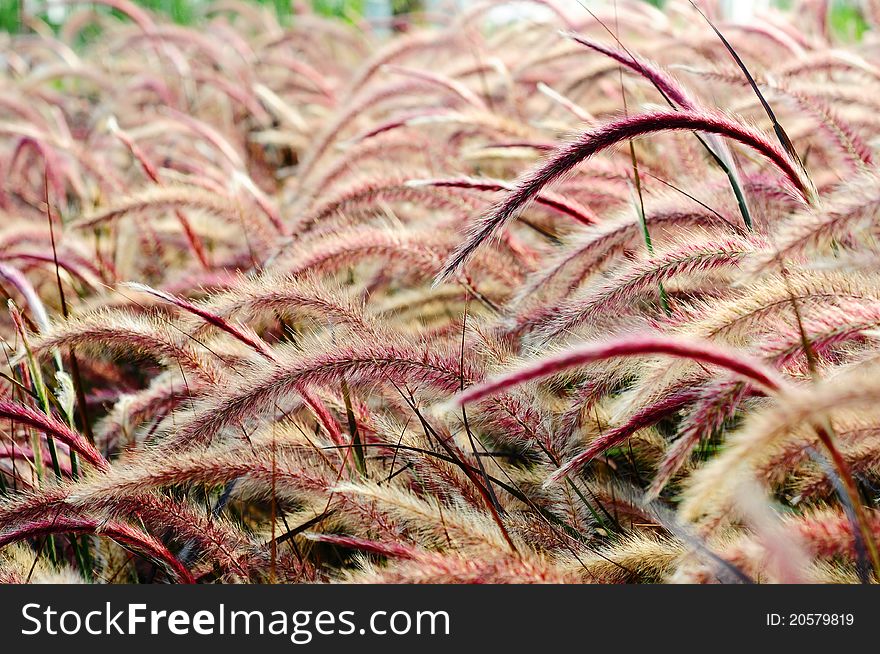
[(585, 296)]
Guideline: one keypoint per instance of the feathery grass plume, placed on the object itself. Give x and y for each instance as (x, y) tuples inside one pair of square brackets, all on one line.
[(368, 196), (238, 332), (122, 425), (364, 545), (701, 256), (576, 110), (95, 499), (641, 419), (753, 314), (345, 248), (605, 136), (637, 558), (595, 247), (160, 198), (153, 173), (828, 532), (439, 478), (381, 151), (261, 299), (714, 405), (127, 334), (208, 467), (436, 568), (361, 362), (828, 330), (855, 431), (763, 302), (443, 81), (635, 345), (708, 491), (352, 110), (676, 95), (53, 427), (253, 341), (425, 520), (848, 140), (847, 211), (419, 249), (668, 86)]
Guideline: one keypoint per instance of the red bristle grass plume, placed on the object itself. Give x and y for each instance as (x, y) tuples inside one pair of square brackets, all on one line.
[(606, 136)]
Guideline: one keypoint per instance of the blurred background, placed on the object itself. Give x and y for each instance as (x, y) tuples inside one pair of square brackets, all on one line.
[(845, 16)]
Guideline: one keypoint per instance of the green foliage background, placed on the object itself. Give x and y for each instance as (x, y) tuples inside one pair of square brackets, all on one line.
[(845, 17), (189, 11)]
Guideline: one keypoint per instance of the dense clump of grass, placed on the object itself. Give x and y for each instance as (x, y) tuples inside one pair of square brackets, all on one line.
[(593, 298)]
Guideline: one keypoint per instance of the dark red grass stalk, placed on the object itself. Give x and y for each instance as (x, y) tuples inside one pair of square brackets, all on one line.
[(123, 534), (635, 345), (643, 418), (601, 138), (56, 429), (718, 403), (250, 339), (552, 201), (669, 87)]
